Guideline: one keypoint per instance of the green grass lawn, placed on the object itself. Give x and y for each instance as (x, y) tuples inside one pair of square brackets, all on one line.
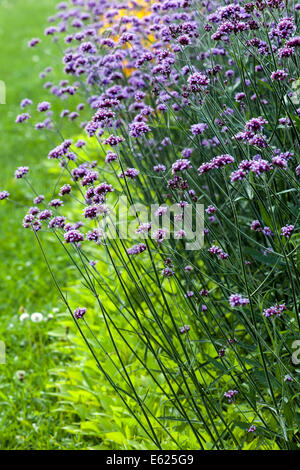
[(27, 413)]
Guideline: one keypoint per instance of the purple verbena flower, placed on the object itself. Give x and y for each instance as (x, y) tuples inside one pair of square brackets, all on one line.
[(181, 165), (279, 75), (198, 129), (198, 82), (56, 203), (73, 236), (184, 329), (4, 195), (287, 230), (216, 250), (21, 172), (39, 199), (274, 311), (252, 428), (230, 394), (33, 42), (45, 215), (137, 249), (22, 118), (288, 378), (65, 189), (25, 102), (43, 106)]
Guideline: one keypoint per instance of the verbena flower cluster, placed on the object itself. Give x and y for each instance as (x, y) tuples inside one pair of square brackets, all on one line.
[(187, 102)]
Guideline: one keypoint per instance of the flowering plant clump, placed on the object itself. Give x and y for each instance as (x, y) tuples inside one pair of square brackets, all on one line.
[(180, 103)]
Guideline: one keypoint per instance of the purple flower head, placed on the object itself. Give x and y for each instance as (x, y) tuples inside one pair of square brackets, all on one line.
[(73, 236), (181, 165), (237, 175), (95, 235), (256, 124), (50, 31), (284, 28), (22, 118), (56, 203), (184, 329), (198, 82), (161, 210), (187, 152), (103, 189), (4, 195), (21, 172), (210, 210), (60, 151), (131, 173), (189, 293), (167, 272), (33, 210), (286, 52), (25, 102), (280, 162), (216, 162), (267, 231), (159, 168), (231, 341), (137, 249), (255, 226), (236, 300), (44, 106), (288, 378), (65, 189), (184, 40), (222, 352), (80, 143), (279, 75), (204, 292), (188, 268), (58, 221), (44, 215), (287, 230), (258, 140), (215, 250), (89, 178), (274, 311), (91, 212), (230, 394), (252, 428), (39, 199), (111, 157), (294, 42), (143, 228), (137, 129), (240, 96), (73, 116), (30, 222), (33, 42), (198, 129), (113, 140), (260, 166)]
